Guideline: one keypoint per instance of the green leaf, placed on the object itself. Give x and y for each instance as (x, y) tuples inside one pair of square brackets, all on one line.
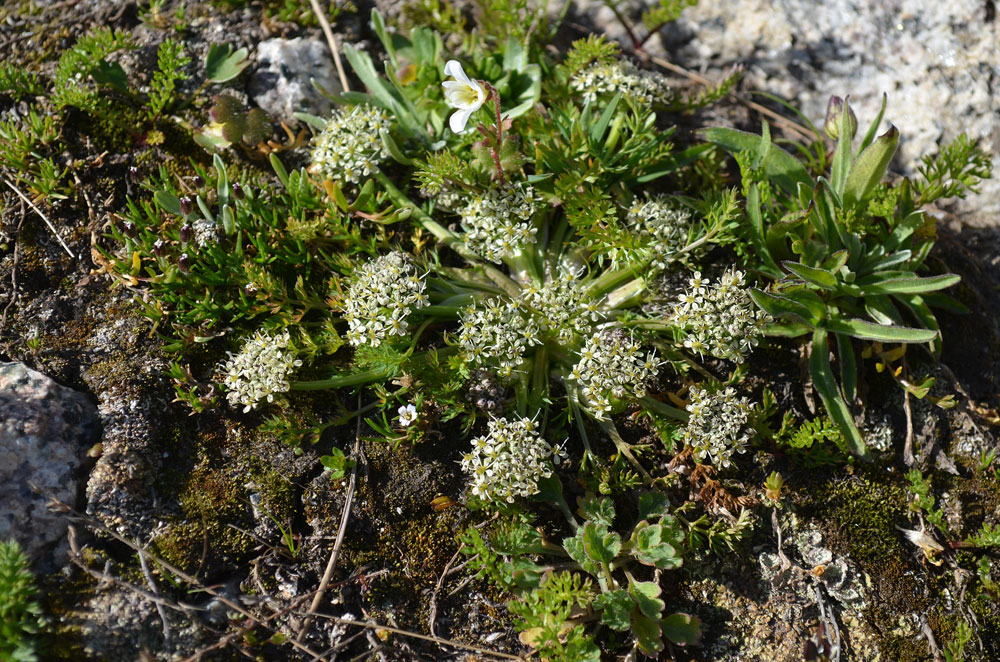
[(600, 510), (652, 505), (848, 366), (824, 383), (111, 74), (393, 149), (819, 277), (779, 165), (920, 310), (279, 169), (906, 285), (647, 598), (599, 127), (378, 22), (527, 575), (650, 549), (779, 306), (758, 236), (882, 332), (615, 607), (681, 629), (222, 63), (873, 128), (168, 202), (599, 544), (648, 635), (842, 155), (336, 463), (869, 168)]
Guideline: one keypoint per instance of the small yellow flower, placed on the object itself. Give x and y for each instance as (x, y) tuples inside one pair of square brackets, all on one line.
[(466, 95)]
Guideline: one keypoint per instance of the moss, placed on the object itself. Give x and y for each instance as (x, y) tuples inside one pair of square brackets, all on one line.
[(899, 648), (210, 500)]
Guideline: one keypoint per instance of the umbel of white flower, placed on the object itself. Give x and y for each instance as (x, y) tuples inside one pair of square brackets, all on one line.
[(382, 295), (665, 225), (498, 331), (497, 223), (260, 370), (509, 461), (721, 318), (350, 146), (646, 87), (716, 427), (612, 366)]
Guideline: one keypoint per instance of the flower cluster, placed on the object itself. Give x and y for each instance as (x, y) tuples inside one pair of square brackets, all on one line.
[(664, 222), (645, 87), (611, 366), (384, 293), (260, 370), (498, 222), (350, 147), (720, 319), (496, 331), (510, 460), (715, 428), (561, 306)]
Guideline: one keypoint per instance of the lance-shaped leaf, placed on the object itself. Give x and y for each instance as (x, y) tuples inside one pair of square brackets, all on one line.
[(869, 168), (882, 332), (778, 306), (818, 277), (779, 165), (825, 384), (907, 285)]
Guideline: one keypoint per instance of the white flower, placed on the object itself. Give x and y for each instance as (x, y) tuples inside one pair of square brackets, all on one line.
[(466, 95), (407, 415)]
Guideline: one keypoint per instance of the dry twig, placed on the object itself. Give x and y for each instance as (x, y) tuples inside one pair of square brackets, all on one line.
[(331, 40), (38, 211)]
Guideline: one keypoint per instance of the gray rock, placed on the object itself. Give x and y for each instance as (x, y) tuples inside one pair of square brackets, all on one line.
[(936, 61), (281, 84), (45, 431)]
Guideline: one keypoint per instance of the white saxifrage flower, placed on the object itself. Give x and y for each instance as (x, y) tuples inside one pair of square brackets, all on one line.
[(466, 95), (407, 415)]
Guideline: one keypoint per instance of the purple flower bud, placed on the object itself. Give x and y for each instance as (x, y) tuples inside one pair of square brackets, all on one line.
[(834, 112), (130, 230), (159, 248), (186, 232), (184, 262), (238, 191), (198, 181), (133, 173), (186, 205)]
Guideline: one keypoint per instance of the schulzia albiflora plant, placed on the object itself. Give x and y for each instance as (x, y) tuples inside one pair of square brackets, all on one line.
[(516, 243)]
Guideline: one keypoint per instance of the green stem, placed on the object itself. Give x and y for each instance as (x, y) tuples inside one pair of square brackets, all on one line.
[(626, 295), (446, 236), (341, 381), (664, 408)]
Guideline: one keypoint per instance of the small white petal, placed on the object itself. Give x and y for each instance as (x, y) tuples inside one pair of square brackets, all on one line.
[(454, 69), (460, 118)]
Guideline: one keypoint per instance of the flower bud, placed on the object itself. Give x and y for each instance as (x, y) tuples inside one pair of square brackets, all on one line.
[(159, 248), (238, 191), (186, 205), (133, 173), (834, 112), (130, 230), (198, 181), (186, 232), (184, 262)]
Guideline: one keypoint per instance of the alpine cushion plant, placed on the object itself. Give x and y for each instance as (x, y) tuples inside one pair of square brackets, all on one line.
[(843, 249)]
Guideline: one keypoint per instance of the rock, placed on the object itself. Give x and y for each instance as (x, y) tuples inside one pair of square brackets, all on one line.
[(45, 431), (281, 84), (935, 61)]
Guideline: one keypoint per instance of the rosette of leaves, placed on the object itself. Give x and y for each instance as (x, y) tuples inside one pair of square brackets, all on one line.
[(236, 123), (554, 607), (844, 249)]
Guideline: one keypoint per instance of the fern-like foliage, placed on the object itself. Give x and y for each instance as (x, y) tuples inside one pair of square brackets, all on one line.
[(18, 83), (170, 70), (20, 613), (954, 172), (86, 59)]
